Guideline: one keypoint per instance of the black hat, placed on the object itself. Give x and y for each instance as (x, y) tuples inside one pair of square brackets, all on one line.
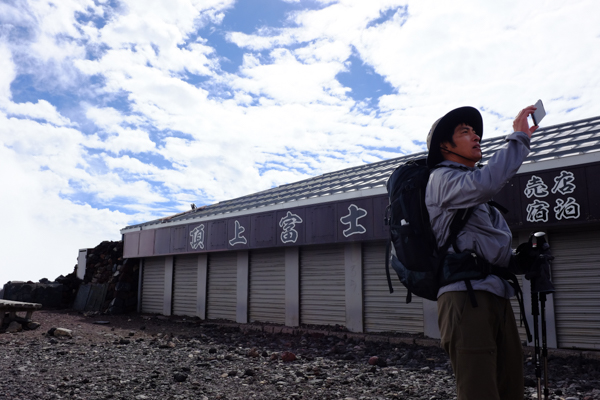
[(446, 124)]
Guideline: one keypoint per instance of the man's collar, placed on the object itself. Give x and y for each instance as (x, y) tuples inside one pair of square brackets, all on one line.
[(454, 164)]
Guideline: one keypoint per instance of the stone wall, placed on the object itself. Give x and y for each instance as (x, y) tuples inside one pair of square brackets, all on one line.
[(105, 265), (57, 294)]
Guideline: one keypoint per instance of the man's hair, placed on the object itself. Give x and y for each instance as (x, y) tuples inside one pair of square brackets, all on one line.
[(442, 130), (448, 136)]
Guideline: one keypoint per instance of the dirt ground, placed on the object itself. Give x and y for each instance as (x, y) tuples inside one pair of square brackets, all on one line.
[(153, 357)]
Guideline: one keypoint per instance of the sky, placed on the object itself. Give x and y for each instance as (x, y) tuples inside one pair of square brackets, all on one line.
[(119, 112)]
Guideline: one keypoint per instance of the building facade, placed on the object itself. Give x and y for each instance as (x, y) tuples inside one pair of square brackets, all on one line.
[(313, 252)]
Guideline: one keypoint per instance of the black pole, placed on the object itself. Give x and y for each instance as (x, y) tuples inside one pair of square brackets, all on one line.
[(541, 285), (544, 344), (535, 312)]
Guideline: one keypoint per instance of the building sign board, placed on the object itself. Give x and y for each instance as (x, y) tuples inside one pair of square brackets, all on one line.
[(217, 235), (554, 197), (322, 223), (162, 241), (146, 243), (179, 239), (536, 200)]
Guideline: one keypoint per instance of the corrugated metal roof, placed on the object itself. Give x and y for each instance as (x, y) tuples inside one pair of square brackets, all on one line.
[(550, 143)]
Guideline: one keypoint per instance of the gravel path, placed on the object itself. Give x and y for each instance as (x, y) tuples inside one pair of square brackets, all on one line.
[(142, 357)]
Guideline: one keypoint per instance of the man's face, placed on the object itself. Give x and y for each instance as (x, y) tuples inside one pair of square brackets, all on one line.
[(466, 144)]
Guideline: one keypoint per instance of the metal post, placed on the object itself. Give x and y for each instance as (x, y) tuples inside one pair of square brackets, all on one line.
[(535, 311), (544, 344)]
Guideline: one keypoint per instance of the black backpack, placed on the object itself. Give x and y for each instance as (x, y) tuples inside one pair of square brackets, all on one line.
[(421, 266), (415, 256)]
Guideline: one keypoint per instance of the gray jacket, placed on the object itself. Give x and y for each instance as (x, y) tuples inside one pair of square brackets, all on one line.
[(486, 232)]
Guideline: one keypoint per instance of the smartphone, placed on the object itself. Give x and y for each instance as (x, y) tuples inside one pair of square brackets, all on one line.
[(538, 114)]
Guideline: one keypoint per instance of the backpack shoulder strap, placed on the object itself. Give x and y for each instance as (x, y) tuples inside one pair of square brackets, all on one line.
[(458, 223), (498, 206)]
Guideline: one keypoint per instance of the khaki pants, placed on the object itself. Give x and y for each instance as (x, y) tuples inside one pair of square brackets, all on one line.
[(483, 344)]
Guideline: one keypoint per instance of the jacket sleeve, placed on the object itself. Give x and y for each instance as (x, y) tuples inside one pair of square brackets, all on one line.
[(458, 189)]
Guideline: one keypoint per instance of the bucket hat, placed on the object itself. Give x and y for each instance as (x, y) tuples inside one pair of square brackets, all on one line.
[(463, 115)]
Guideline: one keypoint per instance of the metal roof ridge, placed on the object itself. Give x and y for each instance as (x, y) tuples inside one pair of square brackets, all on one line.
[(320, 186), (352, 194)]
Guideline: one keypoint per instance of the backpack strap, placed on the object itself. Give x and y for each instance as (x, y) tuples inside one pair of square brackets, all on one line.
[(387, 265), (498, 206), (458, 223), (511, 278), (461, 217), (471, 293)]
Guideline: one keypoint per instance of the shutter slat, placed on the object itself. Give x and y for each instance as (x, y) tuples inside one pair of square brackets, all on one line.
[(322, 285), (185, 285), (222, 286), (576, 277), (153, 285), (384, 311), (267, 286)]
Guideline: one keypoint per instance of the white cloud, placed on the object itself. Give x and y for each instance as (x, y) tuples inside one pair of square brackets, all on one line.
[(116, 136), (506, 54), (260, 42), (42, 110), (131, 165), (53, 147), (123, 140), (53, 28), (146, 142), (499, 57), (286, 80), (324, 50), (8, 72), (108, 118), (43, 231)]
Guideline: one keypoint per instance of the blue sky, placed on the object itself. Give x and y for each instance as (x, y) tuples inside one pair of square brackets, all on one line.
[(118, 112)]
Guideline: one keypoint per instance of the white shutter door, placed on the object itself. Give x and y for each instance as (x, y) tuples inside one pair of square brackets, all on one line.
[(576, 277), (222, 286), (153, 285), (384, 311), (185, 285), (322, 285), (267, 286)]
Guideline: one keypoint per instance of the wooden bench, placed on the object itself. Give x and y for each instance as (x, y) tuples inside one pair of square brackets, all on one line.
[(13, 307)]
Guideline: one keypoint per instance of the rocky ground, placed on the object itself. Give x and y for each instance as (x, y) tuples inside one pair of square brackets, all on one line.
[(143, 357)]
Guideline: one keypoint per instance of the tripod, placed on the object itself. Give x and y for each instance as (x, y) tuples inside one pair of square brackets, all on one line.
[(541, 286)]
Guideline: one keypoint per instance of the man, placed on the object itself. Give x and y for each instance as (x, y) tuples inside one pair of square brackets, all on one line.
[(480, 336)]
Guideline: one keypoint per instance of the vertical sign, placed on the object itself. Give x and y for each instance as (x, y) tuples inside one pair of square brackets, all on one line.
[(541, 209)]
